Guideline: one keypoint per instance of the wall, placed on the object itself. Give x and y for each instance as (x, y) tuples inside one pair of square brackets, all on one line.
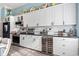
[(2, 11), (77, 18), (26, 6)]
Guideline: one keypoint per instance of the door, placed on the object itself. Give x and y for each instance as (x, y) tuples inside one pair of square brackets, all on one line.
[(52, 16), (37, 43), (58, 14), (29, 41), (23, 40), (34, 18), (26, 20), (44, 17), (58, 49), (69, 14), (71, 47)]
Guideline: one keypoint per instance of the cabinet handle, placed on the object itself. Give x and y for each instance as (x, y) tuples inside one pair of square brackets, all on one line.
[(23, 38), (63, 52), (34, 39), (52, 23), (26, 25), (63, 45), (63, 39), (37, 24), (63, 22)]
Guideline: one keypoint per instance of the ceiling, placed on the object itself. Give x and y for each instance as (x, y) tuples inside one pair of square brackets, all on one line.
[(12, 5)]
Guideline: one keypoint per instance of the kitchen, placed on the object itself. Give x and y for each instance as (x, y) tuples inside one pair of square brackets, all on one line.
[(41, 27)]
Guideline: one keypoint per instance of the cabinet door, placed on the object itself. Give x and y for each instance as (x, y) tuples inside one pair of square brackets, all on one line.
[(31, 19), (65, 46), (58, 14), (26, 20), (29, 41), (69, 14), (36, 43), (71, 47), (44, 17), (34, 18), (57, 46), (15, 17), (23, 40), (48, 16), (26, 41), (52, 16), (12, 23)]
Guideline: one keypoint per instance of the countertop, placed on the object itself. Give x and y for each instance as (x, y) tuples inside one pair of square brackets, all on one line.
[(49, 35), (2, 45)]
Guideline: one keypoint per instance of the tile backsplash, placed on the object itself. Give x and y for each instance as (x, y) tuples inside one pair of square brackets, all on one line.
[(55, 29)]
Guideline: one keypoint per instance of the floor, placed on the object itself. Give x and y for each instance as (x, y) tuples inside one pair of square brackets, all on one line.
[(20, 51)]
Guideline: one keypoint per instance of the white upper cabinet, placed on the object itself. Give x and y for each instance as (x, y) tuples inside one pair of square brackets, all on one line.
[(35, 18), (52, 17), (44, 17), (69, 14), (62, 14), (58, 14), (26, 20), (31, 19)]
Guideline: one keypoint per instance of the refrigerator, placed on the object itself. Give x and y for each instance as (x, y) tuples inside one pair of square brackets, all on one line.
[(8, 26), (6, 30)]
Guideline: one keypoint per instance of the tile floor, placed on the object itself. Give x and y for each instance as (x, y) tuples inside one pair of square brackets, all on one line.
[(20, 51)]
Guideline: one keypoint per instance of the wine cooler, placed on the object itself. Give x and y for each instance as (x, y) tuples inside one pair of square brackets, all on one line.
[(47, 45)]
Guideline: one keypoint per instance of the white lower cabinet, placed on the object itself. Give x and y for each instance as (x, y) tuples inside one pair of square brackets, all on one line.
[(37, 43), (23, 40), (31, 41), (65, 46)]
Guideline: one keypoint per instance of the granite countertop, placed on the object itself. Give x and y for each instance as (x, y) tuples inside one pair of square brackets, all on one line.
[(49, 35)]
